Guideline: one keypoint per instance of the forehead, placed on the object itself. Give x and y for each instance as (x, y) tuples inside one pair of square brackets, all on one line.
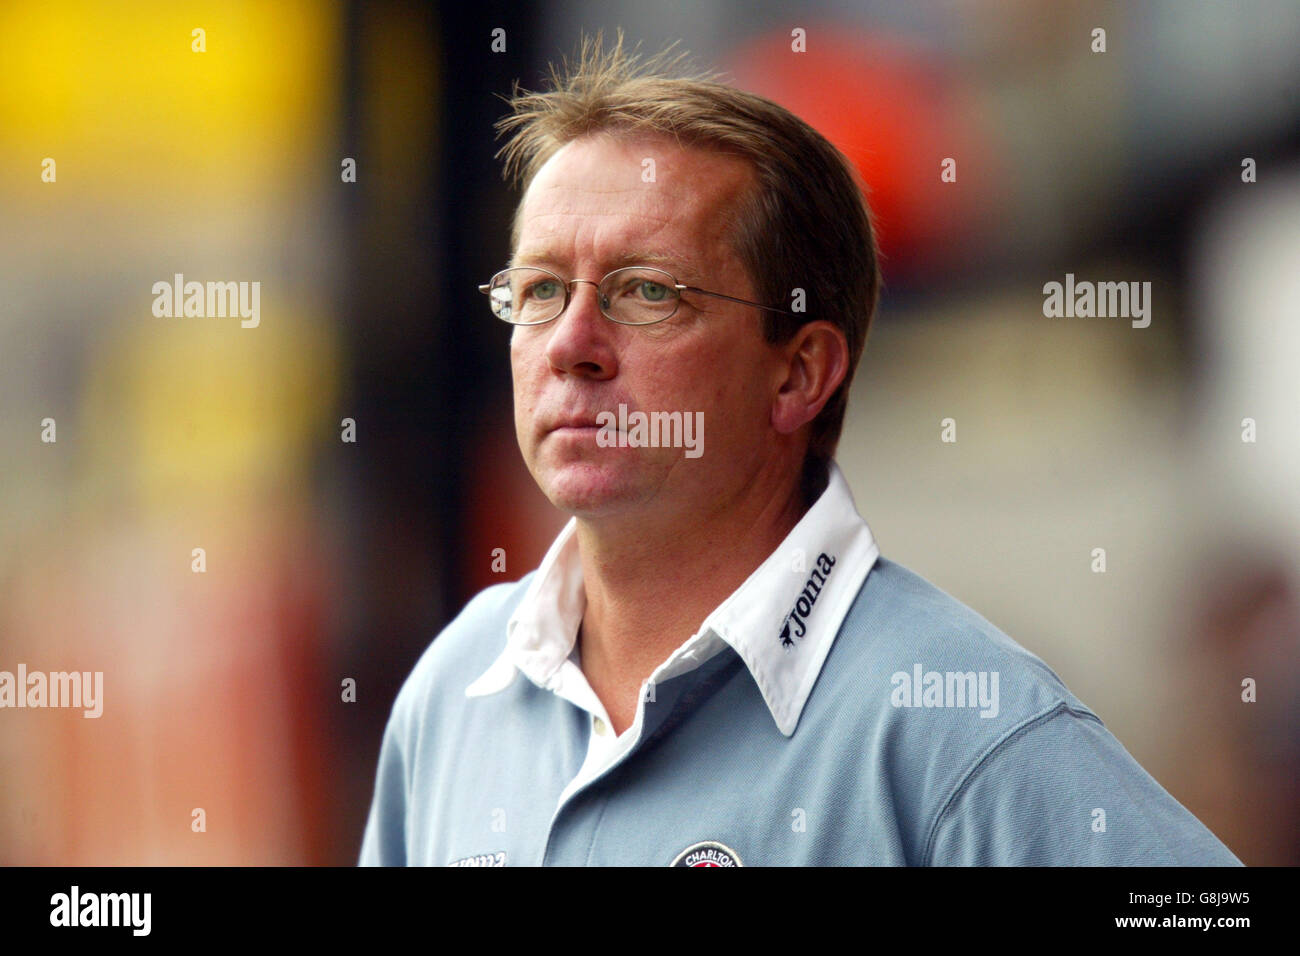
[(605, 201)]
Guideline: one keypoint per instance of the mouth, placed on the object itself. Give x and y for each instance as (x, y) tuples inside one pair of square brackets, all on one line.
[(579, 423), (575, 424)]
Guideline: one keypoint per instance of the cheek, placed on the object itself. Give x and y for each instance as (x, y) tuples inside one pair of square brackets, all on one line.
[(527, 358), (724, 382), (736, 389), (524, 384), (518, 353)]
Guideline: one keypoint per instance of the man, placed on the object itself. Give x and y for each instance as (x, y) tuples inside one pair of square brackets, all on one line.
[(713, 665)]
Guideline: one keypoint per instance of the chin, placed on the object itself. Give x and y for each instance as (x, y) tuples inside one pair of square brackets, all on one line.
[(591, 490)]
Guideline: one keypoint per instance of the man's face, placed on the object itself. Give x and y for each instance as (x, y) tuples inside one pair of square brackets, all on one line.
[(588, 212)]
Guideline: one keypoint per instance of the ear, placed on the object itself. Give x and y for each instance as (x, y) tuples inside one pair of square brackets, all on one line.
[(815, 362)]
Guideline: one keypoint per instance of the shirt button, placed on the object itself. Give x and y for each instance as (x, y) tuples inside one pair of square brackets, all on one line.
[(598, 725)]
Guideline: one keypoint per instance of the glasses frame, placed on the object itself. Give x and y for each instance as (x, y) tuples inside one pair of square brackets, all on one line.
[(486, 289)]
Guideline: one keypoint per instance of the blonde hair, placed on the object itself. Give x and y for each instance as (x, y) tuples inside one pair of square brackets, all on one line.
[(804, 224)]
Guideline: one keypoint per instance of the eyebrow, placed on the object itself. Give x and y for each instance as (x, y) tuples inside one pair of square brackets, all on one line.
[(679, 265)]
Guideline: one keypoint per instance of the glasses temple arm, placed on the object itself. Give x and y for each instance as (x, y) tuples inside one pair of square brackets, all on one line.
[(732, 298)]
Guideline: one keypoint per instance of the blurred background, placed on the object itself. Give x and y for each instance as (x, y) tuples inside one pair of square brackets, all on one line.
[(327, 559)]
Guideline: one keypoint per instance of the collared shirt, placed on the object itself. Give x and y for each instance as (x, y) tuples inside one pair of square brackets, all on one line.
[(820, 566), (834, 709)]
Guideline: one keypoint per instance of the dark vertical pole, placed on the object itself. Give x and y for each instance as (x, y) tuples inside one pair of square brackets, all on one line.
[(476, 207)]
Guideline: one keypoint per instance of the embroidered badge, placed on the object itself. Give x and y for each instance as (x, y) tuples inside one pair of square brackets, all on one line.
[(483, 859), (708, 853)]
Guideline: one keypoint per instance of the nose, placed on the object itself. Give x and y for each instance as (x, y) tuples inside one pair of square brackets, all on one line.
[(582, 340), (600, 299)]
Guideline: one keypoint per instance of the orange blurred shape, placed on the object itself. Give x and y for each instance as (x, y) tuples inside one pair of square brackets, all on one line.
[(896, 113)]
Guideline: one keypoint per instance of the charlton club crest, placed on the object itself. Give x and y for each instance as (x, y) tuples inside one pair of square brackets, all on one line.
[(708, 853)]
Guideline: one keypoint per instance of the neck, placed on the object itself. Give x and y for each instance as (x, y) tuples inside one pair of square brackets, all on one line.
[(649, 585)]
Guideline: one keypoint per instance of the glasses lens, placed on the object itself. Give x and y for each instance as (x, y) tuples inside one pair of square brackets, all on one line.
[(526, 296), (638, 296)]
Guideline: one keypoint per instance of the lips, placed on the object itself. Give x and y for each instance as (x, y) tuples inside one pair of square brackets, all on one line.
[(579, 420), (574, 423)]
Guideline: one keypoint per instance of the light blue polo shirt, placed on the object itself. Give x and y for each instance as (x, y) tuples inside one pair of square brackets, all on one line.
[(836, 709)]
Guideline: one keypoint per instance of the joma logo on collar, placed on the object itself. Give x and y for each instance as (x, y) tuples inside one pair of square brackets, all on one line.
[(803, 605)]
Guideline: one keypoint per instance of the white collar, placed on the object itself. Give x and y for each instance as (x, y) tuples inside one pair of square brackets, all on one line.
[(781, 621)]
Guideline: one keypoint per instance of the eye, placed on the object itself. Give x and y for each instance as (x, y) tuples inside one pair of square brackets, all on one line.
[(543, 289), (653, 291)]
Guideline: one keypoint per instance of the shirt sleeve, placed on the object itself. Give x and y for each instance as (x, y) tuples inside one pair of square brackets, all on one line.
[(1063, 791), (384, 843)]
